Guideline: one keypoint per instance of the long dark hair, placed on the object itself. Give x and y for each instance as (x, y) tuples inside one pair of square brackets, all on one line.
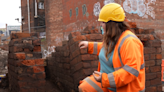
[(112, 34)]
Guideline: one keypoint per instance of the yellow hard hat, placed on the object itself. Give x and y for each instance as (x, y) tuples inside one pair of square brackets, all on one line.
[(112, 11)]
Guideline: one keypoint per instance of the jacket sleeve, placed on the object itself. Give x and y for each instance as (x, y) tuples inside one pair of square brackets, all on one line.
[(94, 47), (132, 58)]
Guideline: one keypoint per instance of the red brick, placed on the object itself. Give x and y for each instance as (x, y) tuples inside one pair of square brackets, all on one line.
[(148, 50), (151, 89), (26, 50), (152, 56), (19, 56), (156, 81), (149, 31), (22, 84), (94, 63), (154, 69), (147, 70), (93, 37), (159, 75), (66, 53), (158, 62), (83, 51), (159, 88), (77, 66), (15, 41), (86, 65), (23, 89), (38, 69), (89, 57), (158, 56), (39, 62), (150, 63), (146, 57), (36, 42), (77, 38), (28, 62), (37, 49), (147, 83), (75, 53), (75, 60), (87, 72), (40, 76), (159, 50), (19, 35), (74, 34), (66, 66), (151, 76), (95, 31)]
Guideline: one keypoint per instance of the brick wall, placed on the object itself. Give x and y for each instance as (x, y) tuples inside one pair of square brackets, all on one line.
[(60, 21), (68, 65), (38, 22), (25, 67)]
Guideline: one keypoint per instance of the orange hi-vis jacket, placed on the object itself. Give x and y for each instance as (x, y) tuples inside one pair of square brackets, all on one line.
[(128, 62)]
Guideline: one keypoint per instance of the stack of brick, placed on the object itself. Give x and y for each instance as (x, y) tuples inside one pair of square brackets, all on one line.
[(25, 66), (68, 65)]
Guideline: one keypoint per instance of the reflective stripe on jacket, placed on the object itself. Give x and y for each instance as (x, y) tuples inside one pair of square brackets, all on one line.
[(128, 61)]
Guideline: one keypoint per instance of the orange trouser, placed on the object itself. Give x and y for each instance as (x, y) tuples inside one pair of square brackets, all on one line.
[(89, 84)]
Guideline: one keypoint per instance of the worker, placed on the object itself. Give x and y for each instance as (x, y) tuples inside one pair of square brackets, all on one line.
[(121, 67)]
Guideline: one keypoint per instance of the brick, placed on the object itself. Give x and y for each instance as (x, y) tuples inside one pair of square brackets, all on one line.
[(74, 34), (159, 74), (19, 35), (93, 37), (59, 48), (148, 50), (147, 70), (156, 81), (64, 43), (153, 43), (147, 83), (150, 76), (22, 84), (83, 51), (158, 62), (146, 57), (39, 62), (75, 60), (67, 66), (94, 63), (75, 53), (159, 50), (151, 89), (36, 42), (95, 31), (89, 57), (28, 62), (149, 31), (150, 63), (152, 56), (158, 56), (66, 53), (87, 72), (15, 41), (40, 76), (26, 50), (78, 66), (37, 49), (154, 69), (38, 83), (74, 47), (38, 69), (86, 65), (19, 56), (76, 39), (159, 88)]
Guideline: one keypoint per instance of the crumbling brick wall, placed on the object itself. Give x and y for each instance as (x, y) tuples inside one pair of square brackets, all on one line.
[(68, 65), (25, 67)]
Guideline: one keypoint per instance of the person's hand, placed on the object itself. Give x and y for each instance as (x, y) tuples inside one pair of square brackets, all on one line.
[(83, 44), (97, 76)]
